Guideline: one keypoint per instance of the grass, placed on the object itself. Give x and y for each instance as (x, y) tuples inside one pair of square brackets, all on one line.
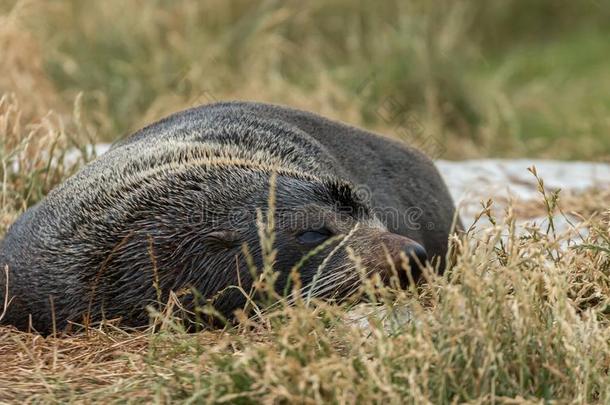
[(522, 317), (511, 79)]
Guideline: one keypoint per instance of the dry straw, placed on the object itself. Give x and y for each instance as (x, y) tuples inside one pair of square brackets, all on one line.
[(522, 316)]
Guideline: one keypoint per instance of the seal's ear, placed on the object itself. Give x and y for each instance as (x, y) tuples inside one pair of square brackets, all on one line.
[(222, 238)]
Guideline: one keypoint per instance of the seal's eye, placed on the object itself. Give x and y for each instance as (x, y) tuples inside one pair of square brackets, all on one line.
[(314, 237)]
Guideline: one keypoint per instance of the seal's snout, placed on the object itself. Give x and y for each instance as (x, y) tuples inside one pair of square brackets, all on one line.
[(417, 256), (396, 248)]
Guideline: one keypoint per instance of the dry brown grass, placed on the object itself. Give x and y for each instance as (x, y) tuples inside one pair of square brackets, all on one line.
[(523, 317), (578, 204), (21, 65), (478, 78)]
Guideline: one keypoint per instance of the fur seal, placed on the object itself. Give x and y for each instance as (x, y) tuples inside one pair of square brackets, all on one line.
[(171, 207)]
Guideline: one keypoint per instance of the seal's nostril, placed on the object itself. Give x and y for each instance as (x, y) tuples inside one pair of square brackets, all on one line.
[(417, 252)]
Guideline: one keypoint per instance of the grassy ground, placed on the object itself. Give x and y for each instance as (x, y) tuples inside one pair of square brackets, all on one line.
[(522, 317)]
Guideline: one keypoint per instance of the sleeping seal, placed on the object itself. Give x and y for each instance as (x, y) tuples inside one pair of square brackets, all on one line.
[(172, 206)]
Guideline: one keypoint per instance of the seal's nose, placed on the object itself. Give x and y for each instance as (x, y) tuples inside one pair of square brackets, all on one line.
[(417, 253), (398, 244), (391, 258)]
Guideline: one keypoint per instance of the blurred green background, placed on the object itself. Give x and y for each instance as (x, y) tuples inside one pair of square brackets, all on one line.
[(461, 78)]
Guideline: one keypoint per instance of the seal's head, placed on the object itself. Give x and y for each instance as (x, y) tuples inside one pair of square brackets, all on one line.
[(210, 235)]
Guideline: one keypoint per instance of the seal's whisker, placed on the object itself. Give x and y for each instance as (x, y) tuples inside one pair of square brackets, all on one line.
[(291, 298), (336, 274), (328, 282), (344, 273), (352, 277), (330, 255)]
